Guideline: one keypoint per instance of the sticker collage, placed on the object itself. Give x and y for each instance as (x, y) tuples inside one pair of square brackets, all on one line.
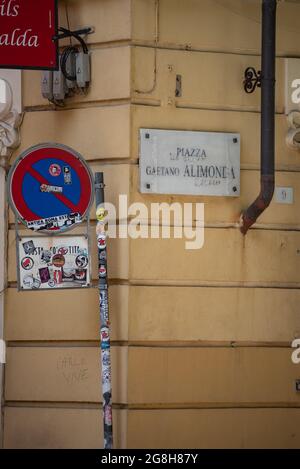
[(53, 263), (104, 328)]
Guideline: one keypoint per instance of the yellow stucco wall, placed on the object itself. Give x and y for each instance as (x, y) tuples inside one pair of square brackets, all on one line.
[(200, 339)]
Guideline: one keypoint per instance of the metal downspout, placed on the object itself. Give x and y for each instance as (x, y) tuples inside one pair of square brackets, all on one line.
[(267, 171)]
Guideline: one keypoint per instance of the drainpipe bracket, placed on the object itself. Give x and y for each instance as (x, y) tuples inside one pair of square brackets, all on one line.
[(252, 80)]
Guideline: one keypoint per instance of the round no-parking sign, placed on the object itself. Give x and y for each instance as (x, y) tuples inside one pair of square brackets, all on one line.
[(50, 188)]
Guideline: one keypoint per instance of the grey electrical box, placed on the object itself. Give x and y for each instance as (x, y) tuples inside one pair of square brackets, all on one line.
[(83, 74), (55, 86), (60, 88), (47, 84)]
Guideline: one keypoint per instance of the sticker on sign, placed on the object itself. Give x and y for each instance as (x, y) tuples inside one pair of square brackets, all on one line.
[(54, 222)]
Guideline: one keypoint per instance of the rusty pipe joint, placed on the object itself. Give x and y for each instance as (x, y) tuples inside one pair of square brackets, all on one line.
[(264, 199)]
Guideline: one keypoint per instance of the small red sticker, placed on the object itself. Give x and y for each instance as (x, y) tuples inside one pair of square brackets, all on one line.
[(55, 170), (27, 263)]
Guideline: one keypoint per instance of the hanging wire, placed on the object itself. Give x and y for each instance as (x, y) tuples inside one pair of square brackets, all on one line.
[(67, 52), (68, 21)]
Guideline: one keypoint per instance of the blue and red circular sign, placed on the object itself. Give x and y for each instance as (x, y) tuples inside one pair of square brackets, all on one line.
[(50, 188)]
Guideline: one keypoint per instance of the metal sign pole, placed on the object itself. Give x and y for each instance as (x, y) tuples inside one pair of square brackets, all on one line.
[(104, 313)]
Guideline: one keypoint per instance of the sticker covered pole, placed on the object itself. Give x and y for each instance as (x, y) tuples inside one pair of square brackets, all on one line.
[(104, 313)]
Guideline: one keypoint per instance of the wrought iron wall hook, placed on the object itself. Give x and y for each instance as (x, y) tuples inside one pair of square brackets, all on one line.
[(252, 80)]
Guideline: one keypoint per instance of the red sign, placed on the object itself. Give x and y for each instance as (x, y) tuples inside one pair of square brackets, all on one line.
[(50, 201), (27, 28)]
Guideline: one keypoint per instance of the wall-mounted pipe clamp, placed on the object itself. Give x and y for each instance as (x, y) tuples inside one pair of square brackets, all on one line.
[(252, 79)]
